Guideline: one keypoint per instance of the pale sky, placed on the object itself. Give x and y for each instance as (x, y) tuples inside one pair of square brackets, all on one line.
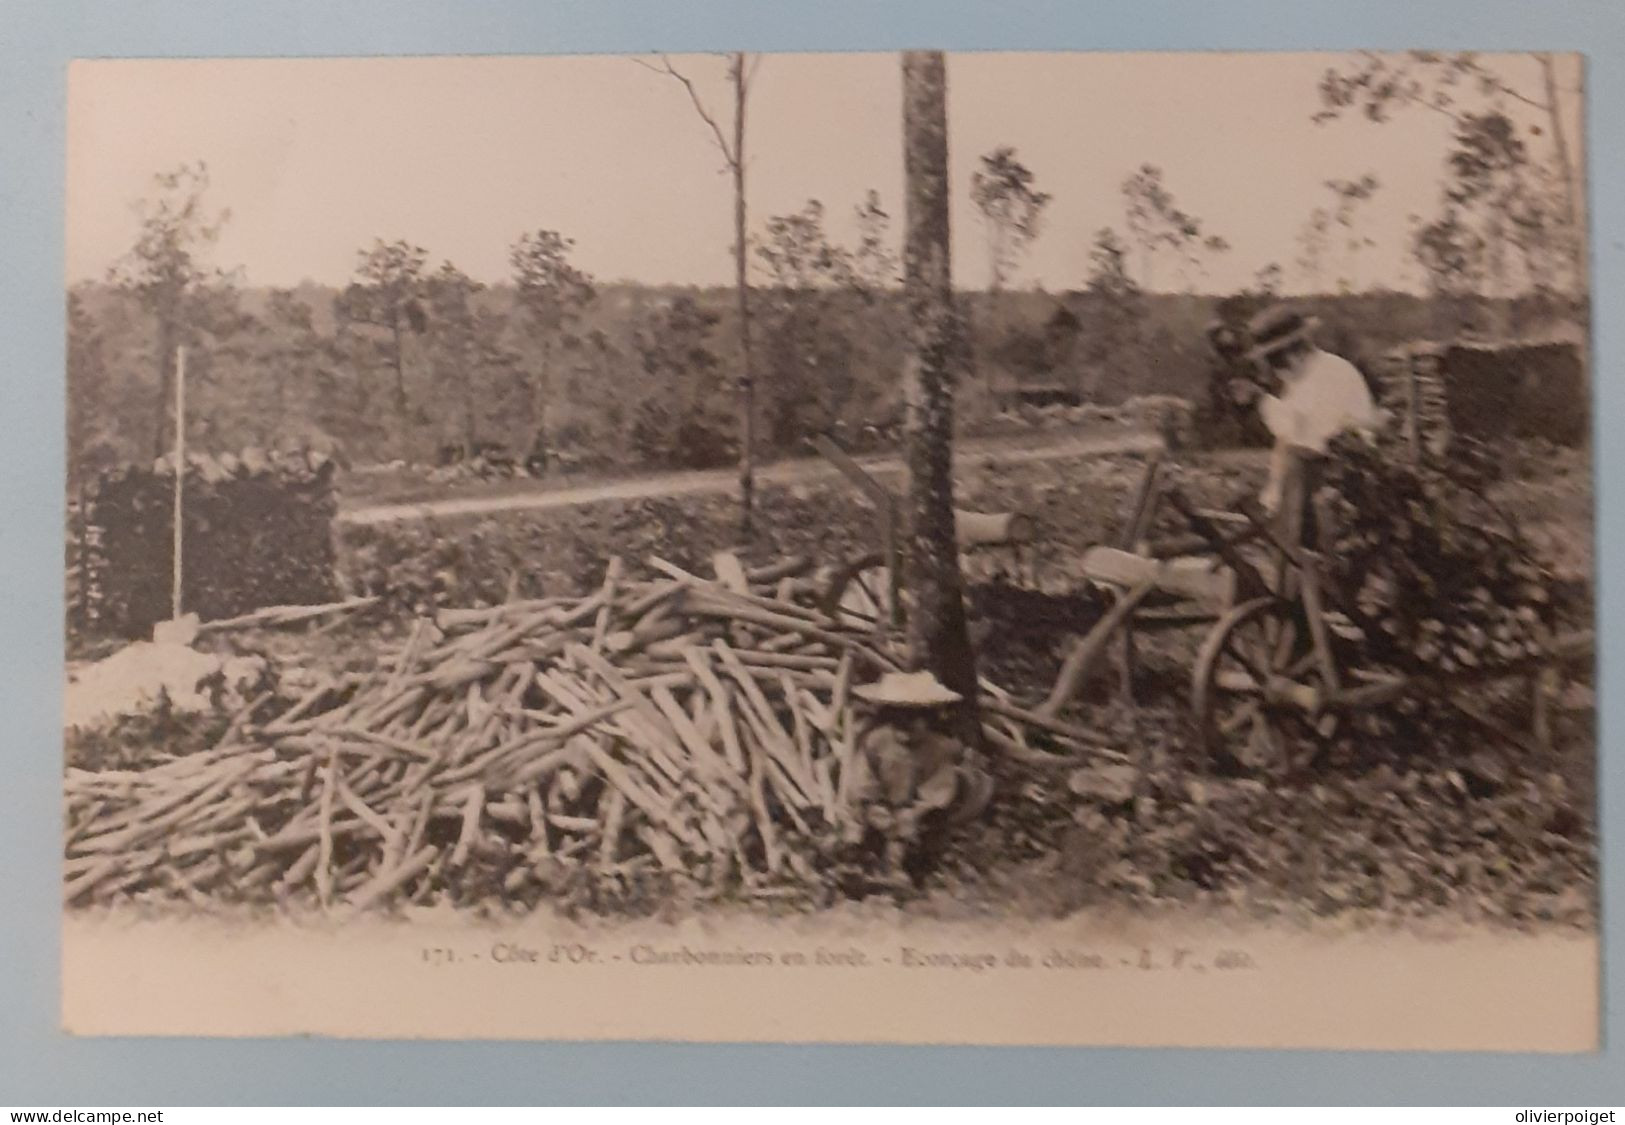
[(315, 158)]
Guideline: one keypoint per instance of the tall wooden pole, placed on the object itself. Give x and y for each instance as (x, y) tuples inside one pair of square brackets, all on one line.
[(180, 470), (747, 381), (938, 639)]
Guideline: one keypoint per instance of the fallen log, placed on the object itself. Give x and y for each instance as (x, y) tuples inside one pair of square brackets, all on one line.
[(284, 615)]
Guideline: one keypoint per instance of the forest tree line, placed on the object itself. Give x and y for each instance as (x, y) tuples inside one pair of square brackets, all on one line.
[(413, 357)]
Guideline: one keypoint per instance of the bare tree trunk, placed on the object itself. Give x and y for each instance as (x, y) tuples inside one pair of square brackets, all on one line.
[(402, 407), (399, 358), (541, 394), (938, 639), (471, 428), (168, 331), (747, 382)]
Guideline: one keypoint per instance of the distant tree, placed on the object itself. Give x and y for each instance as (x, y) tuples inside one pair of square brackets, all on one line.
[(1452, 256), (1108, 271), (313, 368), (588, 418), (874, 261), (674, 420), (165, 273), (1314, 238), (1114, 314), (1496, 231), (1269, 280), (798, 253), (286, 308), (91, 415), (807, 339), (1493, 180), (1468, 89), (388, 293), (501, 371), (449, 302), (552, 295), (275, 379), (1011, 208), (1157, 226), (1213, 246), (825, 316), (1352, 196)]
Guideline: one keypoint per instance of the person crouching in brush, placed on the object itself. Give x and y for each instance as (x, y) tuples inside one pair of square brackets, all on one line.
[(1317, 396), (915, 780)]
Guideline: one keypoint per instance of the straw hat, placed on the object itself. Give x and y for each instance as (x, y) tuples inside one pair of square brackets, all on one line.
[(907, 689), (1276, 329)]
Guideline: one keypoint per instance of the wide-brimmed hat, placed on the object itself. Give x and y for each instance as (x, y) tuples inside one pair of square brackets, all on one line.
[(1276, 329), (907, 689)]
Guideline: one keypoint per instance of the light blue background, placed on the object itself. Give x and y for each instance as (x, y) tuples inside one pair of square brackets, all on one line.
[(39, 1066)]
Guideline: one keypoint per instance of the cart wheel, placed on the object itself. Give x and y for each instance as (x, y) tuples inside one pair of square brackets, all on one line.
[(859, 593), (1252, 644)]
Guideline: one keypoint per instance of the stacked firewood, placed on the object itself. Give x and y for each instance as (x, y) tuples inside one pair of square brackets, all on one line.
[(1412, 386), (256, 532)]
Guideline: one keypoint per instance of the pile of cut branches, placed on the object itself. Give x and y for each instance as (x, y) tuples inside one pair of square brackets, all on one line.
[(667, 731)]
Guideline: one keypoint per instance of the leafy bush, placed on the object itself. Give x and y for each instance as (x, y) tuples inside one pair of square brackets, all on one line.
[(1436, 577)]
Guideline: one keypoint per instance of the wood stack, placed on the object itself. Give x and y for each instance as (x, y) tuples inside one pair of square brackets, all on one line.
[(1413, 387), (674, 727)]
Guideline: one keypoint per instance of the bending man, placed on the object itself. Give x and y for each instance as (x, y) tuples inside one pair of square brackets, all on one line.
[(1318, 395)]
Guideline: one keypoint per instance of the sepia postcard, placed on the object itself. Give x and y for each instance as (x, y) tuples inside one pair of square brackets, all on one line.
[(985, 548)]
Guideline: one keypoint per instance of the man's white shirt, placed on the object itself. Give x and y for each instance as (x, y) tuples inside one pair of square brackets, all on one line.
[(1327, 396)]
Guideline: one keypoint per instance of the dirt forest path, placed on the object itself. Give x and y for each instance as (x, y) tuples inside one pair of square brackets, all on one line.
[(1001, 450)]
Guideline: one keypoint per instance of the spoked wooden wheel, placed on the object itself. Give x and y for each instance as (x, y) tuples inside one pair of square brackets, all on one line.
[(859, 593), (1239, 690)]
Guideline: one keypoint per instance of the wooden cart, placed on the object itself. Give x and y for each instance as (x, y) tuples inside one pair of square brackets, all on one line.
[(864, 591), (1278, 671)]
